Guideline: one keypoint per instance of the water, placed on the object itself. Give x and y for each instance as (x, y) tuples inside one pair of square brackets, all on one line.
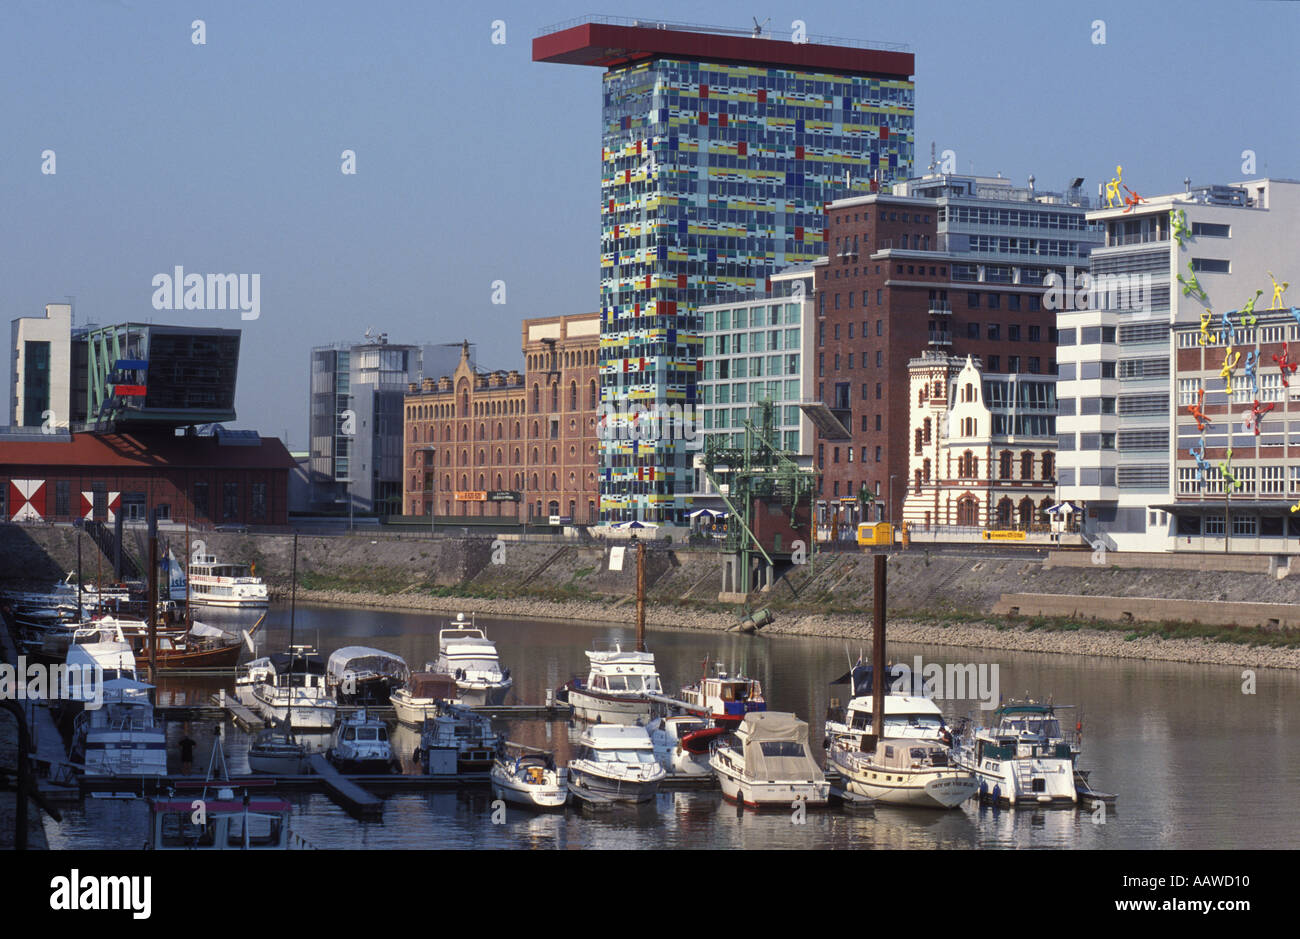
[(1196, 763)]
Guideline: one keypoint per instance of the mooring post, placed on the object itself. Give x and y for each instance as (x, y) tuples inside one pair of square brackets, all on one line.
[(640, 596), (153, 596), (878, 649)]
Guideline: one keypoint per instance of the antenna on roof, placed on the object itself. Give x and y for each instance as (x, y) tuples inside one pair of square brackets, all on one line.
[(758, 27)]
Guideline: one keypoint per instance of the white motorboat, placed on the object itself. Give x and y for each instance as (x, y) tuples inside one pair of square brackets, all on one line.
[(904, 772), (466, 653), (97, 654), (615, 763), (725, 699), (418, 701), (766, 763), (232, 586), (681, 744), (288, 687), (1025, 758), (365, 676), (617, 686), (457, 741), (529, 778), (910, 717), (120, 737), (361, 745), (276, 751)]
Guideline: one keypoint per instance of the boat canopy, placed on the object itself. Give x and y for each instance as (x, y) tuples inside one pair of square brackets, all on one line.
[(776, 747), (902, 754), (359, 659), (204, 631), (432, 685), (303, 663)]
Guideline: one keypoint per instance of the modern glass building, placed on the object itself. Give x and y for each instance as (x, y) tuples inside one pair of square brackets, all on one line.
[(719, 151)]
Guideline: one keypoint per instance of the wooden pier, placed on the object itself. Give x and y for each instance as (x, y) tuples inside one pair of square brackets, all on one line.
[(358, 802)]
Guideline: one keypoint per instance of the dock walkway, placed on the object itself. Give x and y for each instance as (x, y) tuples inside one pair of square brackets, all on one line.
[(358, 802)]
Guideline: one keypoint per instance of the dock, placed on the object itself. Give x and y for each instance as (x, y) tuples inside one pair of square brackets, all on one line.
[(358, 802)]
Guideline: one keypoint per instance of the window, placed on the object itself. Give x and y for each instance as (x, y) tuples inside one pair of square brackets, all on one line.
[(257, 508), (995, 301), (1013, 333), (1210, 230), (229, 500), (201, 500), (994, 331), (1210, 265), (995, 363), (62, 497)]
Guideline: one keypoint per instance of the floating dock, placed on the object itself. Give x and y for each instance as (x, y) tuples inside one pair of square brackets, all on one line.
[(358, 802)]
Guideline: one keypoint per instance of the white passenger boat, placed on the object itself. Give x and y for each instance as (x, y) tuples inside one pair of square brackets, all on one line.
[(466, 653), (529, 778), (418, 700), (288, 687), (363, 676), (767, 763), (120, 737), (615, 763), (276, 751), (725, 699), (225, 585), (1024, 758), (361, 745), (457, 741), (617, 686), (904, 772), (681, 744)]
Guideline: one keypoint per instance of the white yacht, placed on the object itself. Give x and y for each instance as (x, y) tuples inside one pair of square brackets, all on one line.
[(96, 654), (529, 778), (418, 700), (615, 763), (617, 685), (457, 741), (361, 745), (681, 744), (225, 585), (767, 763), (120, 738), (466, 653), (911, 717), (1025, 758), (903, 772), (288, 687)]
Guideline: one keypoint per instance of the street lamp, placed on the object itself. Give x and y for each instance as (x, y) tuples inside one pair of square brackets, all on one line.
[(891, 499)]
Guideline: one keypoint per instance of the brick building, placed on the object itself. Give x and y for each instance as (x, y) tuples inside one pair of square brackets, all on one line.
[(946, 263), (533, 434)]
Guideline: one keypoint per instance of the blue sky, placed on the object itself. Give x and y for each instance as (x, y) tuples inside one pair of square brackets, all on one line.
[(475, 164)]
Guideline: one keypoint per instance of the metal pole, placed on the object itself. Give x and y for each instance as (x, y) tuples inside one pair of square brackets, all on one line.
[(293, 596), (81, 616), (153, 596), (640, 596), (878, 649)]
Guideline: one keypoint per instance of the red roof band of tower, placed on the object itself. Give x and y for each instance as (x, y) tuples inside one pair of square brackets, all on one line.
[(610, 46)]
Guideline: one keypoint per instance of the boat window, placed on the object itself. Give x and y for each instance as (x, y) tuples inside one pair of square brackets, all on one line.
[(349, 733), (652, 684), (262, 830), (179, 832), (617, 683), (786, 748), (366, 733), (383, 733)]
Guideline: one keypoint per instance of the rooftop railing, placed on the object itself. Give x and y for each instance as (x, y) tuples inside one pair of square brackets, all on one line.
[(753, 32)]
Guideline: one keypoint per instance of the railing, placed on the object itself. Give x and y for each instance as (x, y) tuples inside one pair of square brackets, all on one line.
[(721, 30), (940, 339), (940, 308)]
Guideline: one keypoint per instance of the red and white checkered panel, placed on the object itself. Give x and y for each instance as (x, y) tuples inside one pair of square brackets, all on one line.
[(26, 500), (88, 505)]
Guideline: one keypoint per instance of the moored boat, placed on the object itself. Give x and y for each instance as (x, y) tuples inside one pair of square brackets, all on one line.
[(466, 653), (618, 685), (276, 751), (766, 763), (682, 742), (457, 741), (288, 687), (232, 586), (361, 745), (903, 772), (419, 699), (615, 763), (120, 737), (725, 699), (1025, 758), (530, 778), (360, 675)]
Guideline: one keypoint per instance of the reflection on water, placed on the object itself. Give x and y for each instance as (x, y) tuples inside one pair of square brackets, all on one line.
[(1171, 739)]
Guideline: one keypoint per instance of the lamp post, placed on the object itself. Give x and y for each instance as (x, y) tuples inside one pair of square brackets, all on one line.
[(891, 499)]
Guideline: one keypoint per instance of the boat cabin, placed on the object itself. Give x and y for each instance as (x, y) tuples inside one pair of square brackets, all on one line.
[(226, 824)]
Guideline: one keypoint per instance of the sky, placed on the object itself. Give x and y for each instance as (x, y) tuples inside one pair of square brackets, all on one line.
[(474, 164)]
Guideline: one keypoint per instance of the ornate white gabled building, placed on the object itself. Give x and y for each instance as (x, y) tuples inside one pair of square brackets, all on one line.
[(976, 462)]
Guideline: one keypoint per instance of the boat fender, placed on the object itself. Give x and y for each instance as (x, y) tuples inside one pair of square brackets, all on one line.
[(416, 754), (997, 793)]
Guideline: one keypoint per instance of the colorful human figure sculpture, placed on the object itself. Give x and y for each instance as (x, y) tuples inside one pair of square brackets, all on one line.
[(1202, 464), (1229, 334), (1178, 222), (1251, 418), (1131, 200), (1251, 367), (1248, 317), (1230, 360), (1205, 338), (1192, 286), (1284, 362), (1197, 411), (1225, 470), (1112, 188), (1278, 290)]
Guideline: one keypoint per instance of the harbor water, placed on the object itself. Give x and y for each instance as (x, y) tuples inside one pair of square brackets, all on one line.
[(1197, 761)]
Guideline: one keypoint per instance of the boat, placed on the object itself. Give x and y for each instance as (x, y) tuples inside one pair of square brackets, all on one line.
[(681, 744), (466, 653), (120, 737), (289, 687), (725, 699), (911, 717), (418, 700), (97, 654), (618, 685), (361, 745), (360, 675), (766, 763), (903, 772), (530, 778), (457, 741), (231, 586), (615, 763), (1024, 758), (276, 751)]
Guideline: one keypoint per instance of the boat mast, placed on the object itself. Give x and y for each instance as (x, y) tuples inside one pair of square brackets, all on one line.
[(293, 609), (640, 596), (189, 612), (878, 650), (153, 596)]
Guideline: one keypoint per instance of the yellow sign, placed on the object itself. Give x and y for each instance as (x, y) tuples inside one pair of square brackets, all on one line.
[(1003, 535), (473, 496)]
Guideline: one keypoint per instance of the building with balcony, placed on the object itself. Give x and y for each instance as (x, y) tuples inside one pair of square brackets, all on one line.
[(719, 150), (1147, 340)]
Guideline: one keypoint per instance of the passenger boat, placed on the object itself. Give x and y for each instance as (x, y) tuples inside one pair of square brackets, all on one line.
[(725, 699), (615, 763), (457, 741), (418, 700), (365, 676), (466, 653), (288, 687), (361, 745), (766, 763), (681, 744), (529, 778), (903, 772), (1025, 758), (231, 586), (276, 751), (617, 686), (120, 737)]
